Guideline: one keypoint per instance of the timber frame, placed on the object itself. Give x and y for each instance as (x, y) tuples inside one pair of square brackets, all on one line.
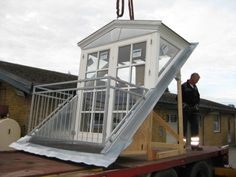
[(145, 141)]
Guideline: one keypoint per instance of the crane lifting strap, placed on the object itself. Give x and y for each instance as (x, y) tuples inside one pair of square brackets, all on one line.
[(120, 12)]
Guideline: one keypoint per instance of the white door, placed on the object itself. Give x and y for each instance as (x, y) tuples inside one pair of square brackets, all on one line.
[(91, 116)]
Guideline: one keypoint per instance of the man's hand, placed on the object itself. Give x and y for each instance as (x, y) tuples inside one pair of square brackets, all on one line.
[(196, 107)]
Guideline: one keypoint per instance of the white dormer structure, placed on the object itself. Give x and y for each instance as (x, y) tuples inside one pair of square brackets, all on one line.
[(134, 51), (125, 67)]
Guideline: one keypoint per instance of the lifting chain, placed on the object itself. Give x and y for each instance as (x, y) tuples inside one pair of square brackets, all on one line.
[(120, 13)]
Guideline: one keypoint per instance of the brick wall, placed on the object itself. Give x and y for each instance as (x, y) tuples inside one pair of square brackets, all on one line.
[(232, 129), (211, 138), (215, 138), (19, 105)]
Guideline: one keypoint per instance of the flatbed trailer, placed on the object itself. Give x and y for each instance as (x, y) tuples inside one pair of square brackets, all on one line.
[(203, 163)]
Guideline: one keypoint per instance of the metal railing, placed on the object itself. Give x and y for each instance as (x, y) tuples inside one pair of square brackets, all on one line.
[(81, 111)]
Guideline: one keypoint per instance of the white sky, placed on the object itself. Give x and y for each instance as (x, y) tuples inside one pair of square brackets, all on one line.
[(44, 34)]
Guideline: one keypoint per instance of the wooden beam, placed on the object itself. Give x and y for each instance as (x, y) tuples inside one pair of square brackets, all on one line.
[(165, 154), (180, 112), (134, 152), (164, 145), (150, 152), (166, 126)]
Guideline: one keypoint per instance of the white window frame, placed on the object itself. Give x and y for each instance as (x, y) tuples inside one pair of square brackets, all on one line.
[(171, 116), (216, 123)]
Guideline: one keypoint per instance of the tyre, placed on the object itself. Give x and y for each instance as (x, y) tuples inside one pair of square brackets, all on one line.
[(199, 169), (167, 173)]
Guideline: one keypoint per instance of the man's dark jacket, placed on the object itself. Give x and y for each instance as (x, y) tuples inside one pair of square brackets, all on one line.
[(190, 95)]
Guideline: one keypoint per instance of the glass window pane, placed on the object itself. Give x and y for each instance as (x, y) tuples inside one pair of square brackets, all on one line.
[(167, 52), (120, 100), (123, 74), (137, 75), (87, 101), (139, 53), (118, 34), (97, 123), (216, 123), (133, 98), (103, 59), (91, 75), (102, 74), (173, 118), (124, 56), (92, 62), (100, 100), (117, 117), (85, 122)]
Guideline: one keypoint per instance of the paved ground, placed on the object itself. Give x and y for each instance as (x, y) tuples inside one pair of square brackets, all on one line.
[(232, 156)]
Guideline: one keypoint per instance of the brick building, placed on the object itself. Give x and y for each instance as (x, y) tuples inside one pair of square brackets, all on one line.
[(217, 123), (16, 83)]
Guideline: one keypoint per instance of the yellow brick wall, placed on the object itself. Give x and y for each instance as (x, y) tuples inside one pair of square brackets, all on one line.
[(212, 138), (19, 106), (232, 129)]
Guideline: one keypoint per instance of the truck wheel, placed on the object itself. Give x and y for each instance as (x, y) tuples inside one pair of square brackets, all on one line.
[(167, 173), (199, 169)]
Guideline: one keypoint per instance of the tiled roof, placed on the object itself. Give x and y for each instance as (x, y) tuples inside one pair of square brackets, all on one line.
[(24, 77), (171, 100)]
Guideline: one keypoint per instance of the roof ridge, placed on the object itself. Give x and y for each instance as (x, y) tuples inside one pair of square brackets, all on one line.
[(24, 77), (32, 67)]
